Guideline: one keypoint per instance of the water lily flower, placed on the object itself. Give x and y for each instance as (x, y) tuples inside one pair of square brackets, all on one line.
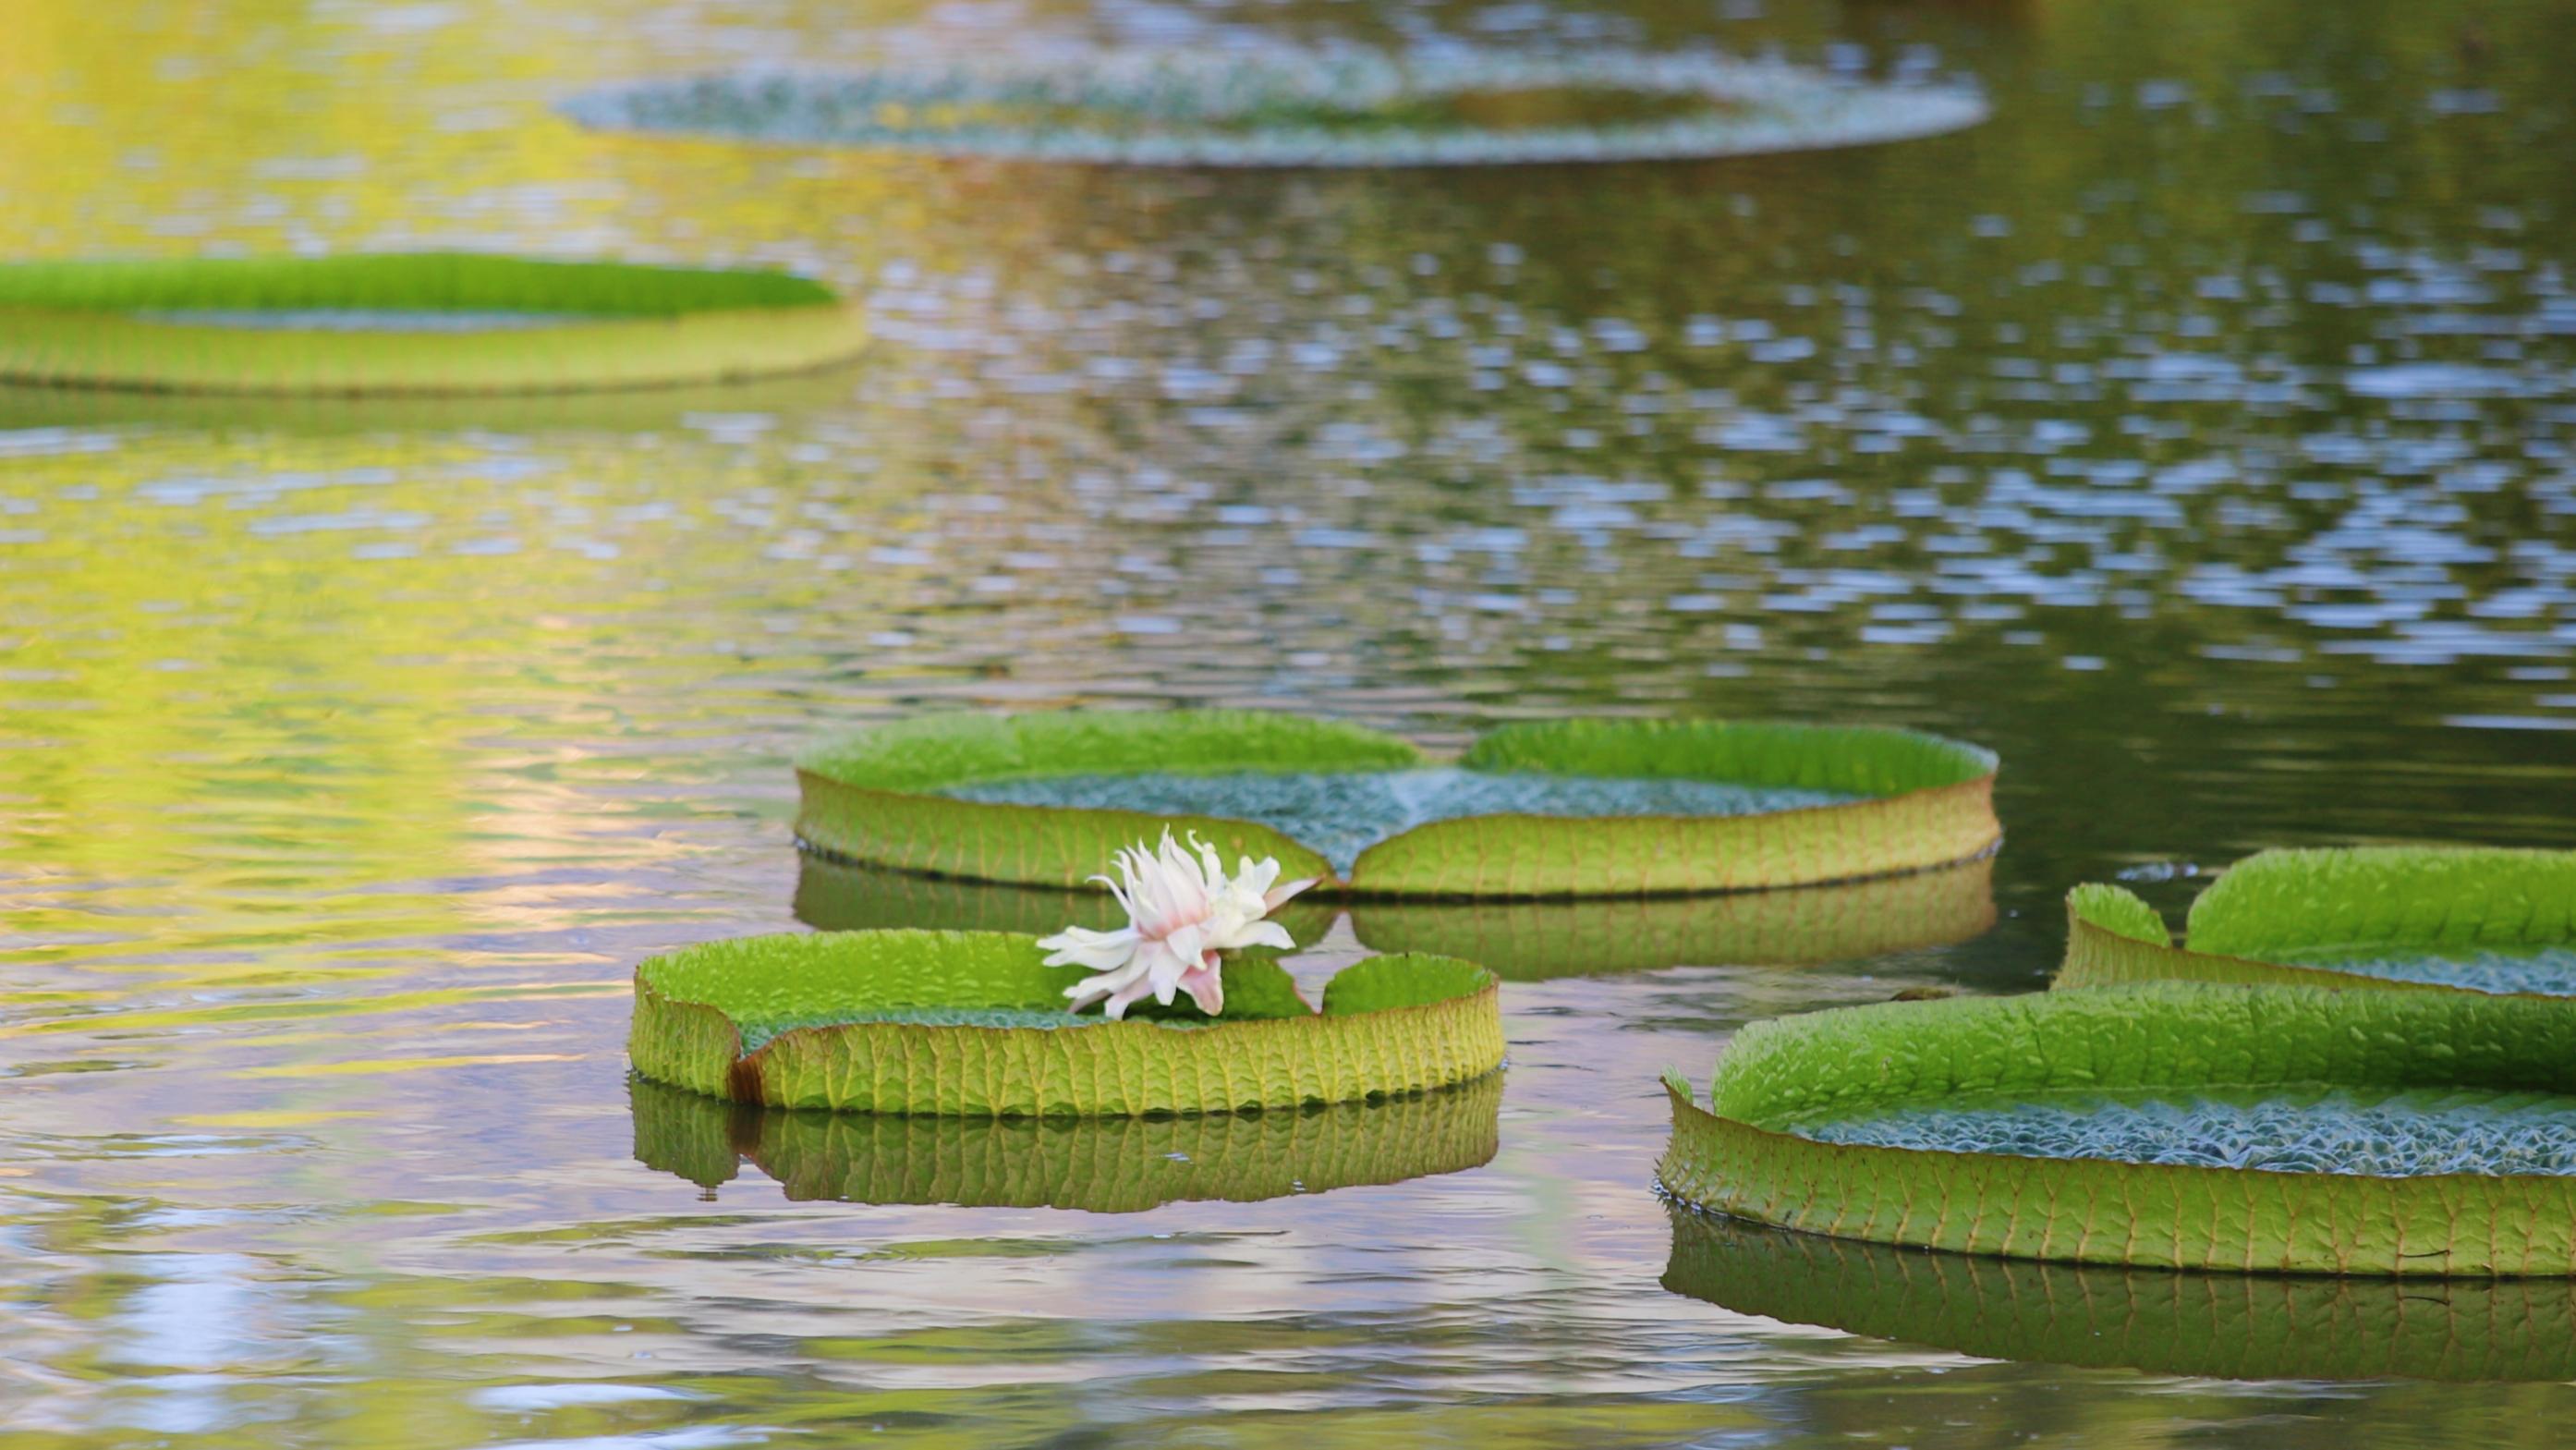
[(1182, 910)]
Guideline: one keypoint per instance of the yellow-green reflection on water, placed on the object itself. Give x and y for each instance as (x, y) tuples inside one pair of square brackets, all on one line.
[(2195, 432)]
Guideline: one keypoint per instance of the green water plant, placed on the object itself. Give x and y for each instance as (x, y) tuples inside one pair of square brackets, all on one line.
[(2160, 1321), (1101, 1165), (1517, 940), (1861, 802), (1285, 107), (407, 325), (974, 1024), (1763, 1148), (2408, 918)]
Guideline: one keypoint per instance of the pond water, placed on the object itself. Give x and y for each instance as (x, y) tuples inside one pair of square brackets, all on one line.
[(2196, 432)]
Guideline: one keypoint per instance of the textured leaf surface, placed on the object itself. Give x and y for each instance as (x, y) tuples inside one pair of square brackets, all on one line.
[(869, 799), (2322, 904), (1103, 1165), (1388, 1025), (2162, 1321), (1744, 1158), (74, 324)]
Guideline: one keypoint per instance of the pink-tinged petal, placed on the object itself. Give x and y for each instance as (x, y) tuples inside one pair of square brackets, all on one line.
[(1186, 945), (1279, 895), (1206, 986), (1120, 999)]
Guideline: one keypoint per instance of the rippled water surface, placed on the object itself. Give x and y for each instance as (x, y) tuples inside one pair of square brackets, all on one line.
[(2196, 432)]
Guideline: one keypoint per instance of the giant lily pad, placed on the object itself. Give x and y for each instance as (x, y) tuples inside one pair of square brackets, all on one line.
[(973, 1024), (1517, 940), (2393, 1133), (407, 324), (1291, 108), (1103, 1165), (2162, 1321), (1571, 808), (2401, 917)]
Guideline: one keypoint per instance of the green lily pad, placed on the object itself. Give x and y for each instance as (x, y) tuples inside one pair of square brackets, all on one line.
[(407, 324), (2160, 1321), (973, 1024), (2403, 918), (1102, 1165), (1346, 107), (1921, 1073), (1861, 802), (1517, 940)]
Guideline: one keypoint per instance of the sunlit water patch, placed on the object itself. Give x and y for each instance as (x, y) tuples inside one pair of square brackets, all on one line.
[(2381, 1135), (1290, 108), (2539, 969), (1342, 813)]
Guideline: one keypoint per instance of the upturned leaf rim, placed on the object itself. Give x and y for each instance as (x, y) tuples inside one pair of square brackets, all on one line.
[(1738, 1156), (2319, 899), (1387, 1026), (89, 323)]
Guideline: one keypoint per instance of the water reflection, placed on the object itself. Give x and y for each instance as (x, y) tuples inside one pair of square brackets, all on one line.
[(1517, 940), (2219, 1326), (1105, 1165)]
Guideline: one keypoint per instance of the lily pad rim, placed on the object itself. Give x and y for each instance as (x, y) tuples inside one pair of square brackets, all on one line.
[(1336, 889), (2090, 932), (786, 290), (1486, 987)]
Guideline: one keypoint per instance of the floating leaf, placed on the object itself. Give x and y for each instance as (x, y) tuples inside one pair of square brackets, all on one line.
[(973, 1024), (2421, 918), (1757, 1155), (407, 324), (886, 797), (1453, 107), (2161, 1321), (1103, 1165)]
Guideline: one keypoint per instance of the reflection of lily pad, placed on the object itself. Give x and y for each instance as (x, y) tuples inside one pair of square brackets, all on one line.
[(2479, 919), (675, 409), (846, 896), (973, 1024), (2162, 1321), (1591, 936), (407, 324), (894, 796), (1345, 108), (1883, 1071), (1104, 1165), (1516, 940)]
